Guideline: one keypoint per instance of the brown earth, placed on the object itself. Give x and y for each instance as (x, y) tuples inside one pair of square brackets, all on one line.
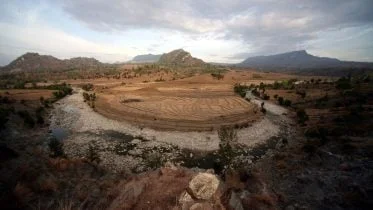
[(177, 105), (195, 103), (25, 94)]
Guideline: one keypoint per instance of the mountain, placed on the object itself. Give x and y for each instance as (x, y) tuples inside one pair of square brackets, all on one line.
[(299, 60), (34, 62), (147, 58), (180, 57)]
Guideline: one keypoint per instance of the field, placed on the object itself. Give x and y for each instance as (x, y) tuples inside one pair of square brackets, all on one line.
[(177, 105), (197, 103), (25, 94)]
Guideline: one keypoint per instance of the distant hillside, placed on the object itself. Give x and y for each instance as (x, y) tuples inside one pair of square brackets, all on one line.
[(180, 57), (301, 61), (34, 62), (147, 58)]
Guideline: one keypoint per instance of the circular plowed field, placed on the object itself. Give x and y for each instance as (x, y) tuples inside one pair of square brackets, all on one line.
[(185, 107)]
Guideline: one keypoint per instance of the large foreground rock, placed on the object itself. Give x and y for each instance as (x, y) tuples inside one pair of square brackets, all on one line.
[(203, 186)]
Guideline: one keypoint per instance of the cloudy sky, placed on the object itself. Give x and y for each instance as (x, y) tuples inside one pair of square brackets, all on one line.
[(216, 31)]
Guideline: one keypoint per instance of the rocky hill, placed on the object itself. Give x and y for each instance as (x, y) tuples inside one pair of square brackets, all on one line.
[(35, 62), (299, 60), (180, 57), (147, 58)]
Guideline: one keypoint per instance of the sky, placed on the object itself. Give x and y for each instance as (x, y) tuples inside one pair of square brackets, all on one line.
[(226, 31)]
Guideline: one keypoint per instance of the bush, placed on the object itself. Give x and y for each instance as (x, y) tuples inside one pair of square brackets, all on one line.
[(56, 148), (217, 76), (266, 97), (255, 92), (87, 87), (280, 100), (275, 96), (27, 119), (287, 102), (302, 116), (302, 93), (4, 113), (227, 136), (240, 89), (93, 155)]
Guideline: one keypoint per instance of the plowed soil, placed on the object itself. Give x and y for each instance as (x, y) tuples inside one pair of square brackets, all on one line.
[(194, 104)]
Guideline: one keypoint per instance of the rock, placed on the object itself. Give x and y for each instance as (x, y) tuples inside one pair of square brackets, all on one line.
[(185, 200), (136, 141), (203, 186), (235, 202), (201, 206), (135, 152)]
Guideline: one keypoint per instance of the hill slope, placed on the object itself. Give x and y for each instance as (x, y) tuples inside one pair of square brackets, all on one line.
[(299, 60), (147, 58), (180, 57), (34, 62)]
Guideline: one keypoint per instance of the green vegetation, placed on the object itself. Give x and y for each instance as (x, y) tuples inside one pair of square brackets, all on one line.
[(63, 90), (90, 98), (241, 89)]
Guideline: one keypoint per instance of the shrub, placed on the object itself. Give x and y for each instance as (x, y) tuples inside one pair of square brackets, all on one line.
[(287, 102), (275, 96), (4, 113), (217, 76), (255, 92), (227, 136), (27, 119), (87, 87), (302, 93), (302, 116), (280, 100), (56, 148), (93, 155), (240, 89), (266, 97), (262, 109)]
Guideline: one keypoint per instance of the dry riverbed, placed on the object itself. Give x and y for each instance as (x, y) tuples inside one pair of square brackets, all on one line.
[(125, 147)]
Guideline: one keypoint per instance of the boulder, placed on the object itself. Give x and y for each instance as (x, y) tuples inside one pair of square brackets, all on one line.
[(203, 186)]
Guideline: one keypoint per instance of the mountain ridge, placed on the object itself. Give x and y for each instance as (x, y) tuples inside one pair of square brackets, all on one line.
[(146, 58), (180, 57), (32, 61), (298, 60)]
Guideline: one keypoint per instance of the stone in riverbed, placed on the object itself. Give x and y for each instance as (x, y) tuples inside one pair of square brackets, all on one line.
[(136, 141)]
